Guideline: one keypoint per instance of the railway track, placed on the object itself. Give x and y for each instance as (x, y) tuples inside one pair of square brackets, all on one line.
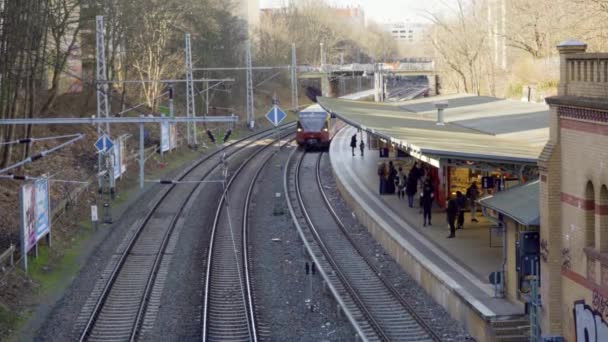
[(228, 310), (373, 306), (117, 305)]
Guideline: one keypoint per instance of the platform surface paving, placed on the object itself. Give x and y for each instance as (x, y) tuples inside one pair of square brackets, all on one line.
[(463, 263)]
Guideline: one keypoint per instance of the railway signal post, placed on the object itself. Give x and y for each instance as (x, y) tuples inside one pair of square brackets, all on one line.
[(276, 116)]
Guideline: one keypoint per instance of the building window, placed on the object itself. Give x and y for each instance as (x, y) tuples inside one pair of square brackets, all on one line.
[(589, 215), (602, 231), (589, 244)]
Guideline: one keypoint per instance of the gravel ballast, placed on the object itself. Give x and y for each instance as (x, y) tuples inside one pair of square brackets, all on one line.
[(281, 284)]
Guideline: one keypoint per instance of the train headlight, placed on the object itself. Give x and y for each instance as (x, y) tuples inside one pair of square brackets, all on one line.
[(299, 130), (324, 129)]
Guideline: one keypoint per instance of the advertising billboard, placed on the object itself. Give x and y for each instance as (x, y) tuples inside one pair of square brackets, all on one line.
[(43, 224), (35, 212), (165, 142), (28, 216)]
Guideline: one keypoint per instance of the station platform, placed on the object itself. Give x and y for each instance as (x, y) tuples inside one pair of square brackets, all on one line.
[(455, 272)]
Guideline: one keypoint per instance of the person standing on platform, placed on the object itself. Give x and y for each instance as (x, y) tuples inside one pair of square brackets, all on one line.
[(353, 143), (362, 147), (401, 183), (472, 195), (462, 204), (452, 213), (382, 177), (412, 185), (390, 181), (426, 198)]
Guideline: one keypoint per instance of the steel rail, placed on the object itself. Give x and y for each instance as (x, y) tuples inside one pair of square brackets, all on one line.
[(376, 270), (210, 259), (114, 274), (336, 268), (321, 269)]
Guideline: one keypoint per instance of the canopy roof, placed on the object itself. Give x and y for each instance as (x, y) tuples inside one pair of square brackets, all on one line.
[(520, 203), (476, 127)]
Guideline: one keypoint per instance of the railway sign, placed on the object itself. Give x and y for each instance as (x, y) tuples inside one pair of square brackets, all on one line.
[(104, 144), (275, 115)]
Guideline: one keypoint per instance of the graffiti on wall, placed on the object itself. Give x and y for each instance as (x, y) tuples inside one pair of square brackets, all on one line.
[(589, 324), (566, 258), (544, 250), (600, 304)]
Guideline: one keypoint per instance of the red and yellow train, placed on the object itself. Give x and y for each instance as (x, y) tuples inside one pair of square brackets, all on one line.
[(316, 127)]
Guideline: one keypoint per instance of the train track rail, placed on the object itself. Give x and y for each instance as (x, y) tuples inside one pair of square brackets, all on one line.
[(120, 304), (374, 307), (228, 310)]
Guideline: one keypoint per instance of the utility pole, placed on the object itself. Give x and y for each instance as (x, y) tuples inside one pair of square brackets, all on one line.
[(249, 107), (106, 182), (103, 106), (206, 98), (190, 100), (359, 77), (294, 78), (323, 62)]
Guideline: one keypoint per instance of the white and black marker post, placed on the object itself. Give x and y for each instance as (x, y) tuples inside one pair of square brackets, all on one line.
[(94, 216)]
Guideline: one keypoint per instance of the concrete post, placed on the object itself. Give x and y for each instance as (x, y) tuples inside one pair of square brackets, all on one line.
[(432, 79), (566, 48)]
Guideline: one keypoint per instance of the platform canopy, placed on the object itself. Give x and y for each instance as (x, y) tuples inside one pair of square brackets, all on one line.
[(520, 203), (476, 127)]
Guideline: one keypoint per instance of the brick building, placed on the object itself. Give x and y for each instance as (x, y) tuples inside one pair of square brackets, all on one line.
[(574, 200)]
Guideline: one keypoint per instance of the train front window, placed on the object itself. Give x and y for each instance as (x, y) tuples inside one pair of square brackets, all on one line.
[(313, 123)]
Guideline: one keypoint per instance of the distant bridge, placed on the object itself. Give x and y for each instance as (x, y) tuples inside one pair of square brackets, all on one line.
[(425, 68), (328, 73)]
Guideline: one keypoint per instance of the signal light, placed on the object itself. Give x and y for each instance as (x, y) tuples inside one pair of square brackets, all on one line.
[(227, 135), (211, 137)]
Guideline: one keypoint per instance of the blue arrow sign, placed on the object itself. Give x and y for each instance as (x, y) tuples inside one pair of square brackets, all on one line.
[(104, 144), (275, 115)]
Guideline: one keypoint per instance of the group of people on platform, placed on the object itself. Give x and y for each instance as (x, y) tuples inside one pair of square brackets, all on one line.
[(396, 181), (353, 144), (457, 206)]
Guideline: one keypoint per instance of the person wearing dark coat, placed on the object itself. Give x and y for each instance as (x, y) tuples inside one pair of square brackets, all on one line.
[(426, 198), (353, 143), (382, 177), (362, 147), (390, 181), (472, 195), (452, 214), (412, 185), (462, 203)]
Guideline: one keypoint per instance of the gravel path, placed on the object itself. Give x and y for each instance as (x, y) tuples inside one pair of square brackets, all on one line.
[(433, 313), (280, 283)]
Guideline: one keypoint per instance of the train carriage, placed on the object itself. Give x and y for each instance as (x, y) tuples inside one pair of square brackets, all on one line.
[(314, 128)]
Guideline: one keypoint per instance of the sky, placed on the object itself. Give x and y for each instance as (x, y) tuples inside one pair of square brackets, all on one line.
[(379, 10)]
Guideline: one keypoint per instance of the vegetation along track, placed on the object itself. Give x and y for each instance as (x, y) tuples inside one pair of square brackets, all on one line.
[(120, 304), (228, 310), (374, 307)]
